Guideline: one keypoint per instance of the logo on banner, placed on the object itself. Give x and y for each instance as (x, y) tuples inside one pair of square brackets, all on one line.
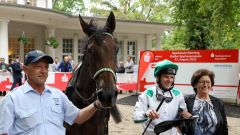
[(145, 60), (64, 78), (146, 57)]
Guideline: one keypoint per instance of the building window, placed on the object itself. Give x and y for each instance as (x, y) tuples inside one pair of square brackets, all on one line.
[(131, 49), (67, 47), (120, 56)]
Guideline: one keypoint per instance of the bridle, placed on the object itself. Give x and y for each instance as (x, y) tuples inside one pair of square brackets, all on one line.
[(97, 73), (104, 33), (104, 70)]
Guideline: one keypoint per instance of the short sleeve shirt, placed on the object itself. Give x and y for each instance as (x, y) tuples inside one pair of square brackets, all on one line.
[(28, 112)]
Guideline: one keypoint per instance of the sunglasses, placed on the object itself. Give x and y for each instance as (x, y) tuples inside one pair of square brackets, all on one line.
[(161, 97)]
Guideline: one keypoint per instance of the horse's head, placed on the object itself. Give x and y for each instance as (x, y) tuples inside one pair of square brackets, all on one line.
[(101, 51)]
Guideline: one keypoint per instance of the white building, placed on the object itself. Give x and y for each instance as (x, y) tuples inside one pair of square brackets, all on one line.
[(38, 21)]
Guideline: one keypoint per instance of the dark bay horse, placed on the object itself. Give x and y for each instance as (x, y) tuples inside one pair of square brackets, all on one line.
[(95, 78)]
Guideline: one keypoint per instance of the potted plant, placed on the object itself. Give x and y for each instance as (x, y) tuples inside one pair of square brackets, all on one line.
[(52, 42), (23, 39)]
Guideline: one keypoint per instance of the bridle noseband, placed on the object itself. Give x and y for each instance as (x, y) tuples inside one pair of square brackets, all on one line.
[(104, 70)]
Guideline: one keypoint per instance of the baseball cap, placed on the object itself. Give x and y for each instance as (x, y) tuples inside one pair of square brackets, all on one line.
[(36, 55)]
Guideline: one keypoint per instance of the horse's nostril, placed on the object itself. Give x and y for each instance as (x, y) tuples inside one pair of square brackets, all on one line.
[(107, 98), (100, 96)]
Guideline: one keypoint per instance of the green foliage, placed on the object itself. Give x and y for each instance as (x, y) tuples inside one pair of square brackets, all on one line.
[(151, 10), (206, 24), (200, 24), (69, 6), (23, 39), (52, 42), (174, 40)]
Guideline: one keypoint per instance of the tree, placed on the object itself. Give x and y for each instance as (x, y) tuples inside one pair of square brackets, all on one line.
[(145, 10), (205, 24), (69, 6)]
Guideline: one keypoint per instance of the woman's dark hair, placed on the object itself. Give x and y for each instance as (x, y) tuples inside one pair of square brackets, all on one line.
[(198, 74)]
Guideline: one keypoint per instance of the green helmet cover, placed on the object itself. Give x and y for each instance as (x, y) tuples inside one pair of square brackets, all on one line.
[(164, 64)]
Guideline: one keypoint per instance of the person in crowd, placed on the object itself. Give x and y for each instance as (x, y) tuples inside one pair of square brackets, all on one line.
[(71, 60), (4, 67), (163, 95), (10, 63), (121, 68), (65, 65), (17, 73), (129, 65), (55, 65), (36, 108), (209, 109)]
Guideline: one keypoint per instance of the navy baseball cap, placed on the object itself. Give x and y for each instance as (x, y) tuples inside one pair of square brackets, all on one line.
[(36, 55)]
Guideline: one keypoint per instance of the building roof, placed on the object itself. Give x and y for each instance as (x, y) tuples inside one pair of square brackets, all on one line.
[(58, 19)]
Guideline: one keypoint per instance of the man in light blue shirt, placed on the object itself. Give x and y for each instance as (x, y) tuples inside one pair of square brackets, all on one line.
[(37, 109)]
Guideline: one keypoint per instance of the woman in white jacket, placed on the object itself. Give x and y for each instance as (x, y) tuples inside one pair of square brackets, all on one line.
[(149, 100)]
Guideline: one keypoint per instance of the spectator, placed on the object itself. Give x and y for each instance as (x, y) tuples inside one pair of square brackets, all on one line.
[(121, 68), (65, 65), (17, 73), (71, 60), (4, 67), (129, 65), (55, 65)]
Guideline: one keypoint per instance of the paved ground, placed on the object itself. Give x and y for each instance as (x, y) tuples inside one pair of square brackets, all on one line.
[(126, 104)]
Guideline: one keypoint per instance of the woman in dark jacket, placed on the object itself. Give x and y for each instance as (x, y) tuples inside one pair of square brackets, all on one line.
[(210, 110)]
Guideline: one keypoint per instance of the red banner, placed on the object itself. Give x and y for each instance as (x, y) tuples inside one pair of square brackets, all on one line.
[(224, 63), (60, 80), (199, 56), (146, 58)]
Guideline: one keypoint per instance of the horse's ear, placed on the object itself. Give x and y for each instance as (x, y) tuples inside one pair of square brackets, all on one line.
[(85, 26), (111, 23)]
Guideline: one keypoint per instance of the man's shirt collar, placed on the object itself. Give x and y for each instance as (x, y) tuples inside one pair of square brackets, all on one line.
[(28, 88)]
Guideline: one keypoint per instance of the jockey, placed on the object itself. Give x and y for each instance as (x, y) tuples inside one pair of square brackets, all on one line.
[(148, 102)]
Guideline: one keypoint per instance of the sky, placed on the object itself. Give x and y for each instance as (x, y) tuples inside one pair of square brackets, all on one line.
[(87, 5)]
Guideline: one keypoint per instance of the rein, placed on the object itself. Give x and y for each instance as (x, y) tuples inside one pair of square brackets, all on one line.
[(87, 100)]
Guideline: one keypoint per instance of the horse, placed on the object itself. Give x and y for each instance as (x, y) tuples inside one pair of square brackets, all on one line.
[(95, 78)]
